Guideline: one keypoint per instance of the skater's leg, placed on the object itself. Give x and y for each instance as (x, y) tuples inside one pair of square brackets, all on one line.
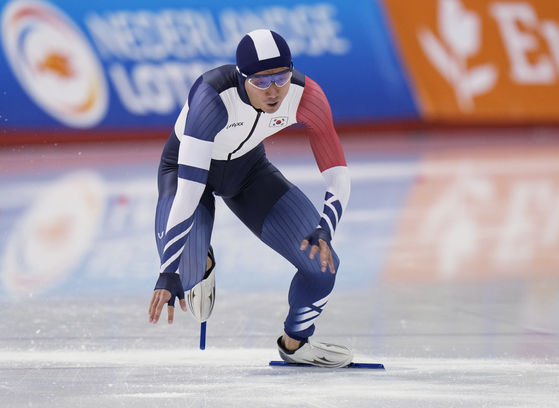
[(282, 219), (286, 225), (282, 216)]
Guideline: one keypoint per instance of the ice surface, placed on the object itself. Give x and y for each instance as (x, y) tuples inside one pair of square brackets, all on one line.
[(439, 350), (446, 340)]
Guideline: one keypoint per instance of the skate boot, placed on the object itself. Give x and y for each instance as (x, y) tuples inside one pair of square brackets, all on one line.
[(318, 354), (201, 298)]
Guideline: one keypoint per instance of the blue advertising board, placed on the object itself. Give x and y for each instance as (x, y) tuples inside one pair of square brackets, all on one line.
[(106, 65)]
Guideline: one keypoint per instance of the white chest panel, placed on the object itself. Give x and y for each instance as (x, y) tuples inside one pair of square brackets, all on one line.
[(242, 117)]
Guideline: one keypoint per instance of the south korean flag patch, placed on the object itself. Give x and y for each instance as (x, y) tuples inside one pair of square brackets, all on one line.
[(278, 122)]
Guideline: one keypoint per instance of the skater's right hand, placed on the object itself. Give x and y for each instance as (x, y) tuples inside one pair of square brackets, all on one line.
[(158, 300), (167, 288)]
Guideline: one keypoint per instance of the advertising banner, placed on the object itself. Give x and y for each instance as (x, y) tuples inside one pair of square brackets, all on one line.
[(105, 65), (481, 60)]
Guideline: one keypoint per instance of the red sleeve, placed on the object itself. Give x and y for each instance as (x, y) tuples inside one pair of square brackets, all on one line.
[(315, 113)]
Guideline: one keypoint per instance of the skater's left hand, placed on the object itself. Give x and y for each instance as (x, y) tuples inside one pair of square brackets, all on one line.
[(319, 240)]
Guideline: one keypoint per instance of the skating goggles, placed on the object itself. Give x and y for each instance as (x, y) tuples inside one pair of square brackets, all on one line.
[(264, 81)]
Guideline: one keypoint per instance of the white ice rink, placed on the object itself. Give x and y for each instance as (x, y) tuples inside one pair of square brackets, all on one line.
[(446, 346), (448, 337)]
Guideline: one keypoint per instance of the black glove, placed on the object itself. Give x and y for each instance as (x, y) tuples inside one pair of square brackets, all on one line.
[(319, 233), (172, 283)]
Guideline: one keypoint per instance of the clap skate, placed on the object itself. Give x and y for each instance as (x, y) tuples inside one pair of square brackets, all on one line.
[(201, 298), (316, 354)]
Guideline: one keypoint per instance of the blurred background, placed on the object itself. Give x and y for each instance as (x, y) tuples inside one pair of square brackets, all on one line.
[(448, 111)]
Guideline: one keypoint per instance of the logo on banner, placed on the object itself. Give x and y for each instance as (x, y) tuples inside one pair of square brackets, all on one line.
[(460, 39), (54, 63), (278, 122)]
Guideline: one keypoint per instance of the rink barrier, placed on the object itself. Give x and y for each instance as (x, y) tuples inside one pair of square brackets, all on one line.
[(113, 68)]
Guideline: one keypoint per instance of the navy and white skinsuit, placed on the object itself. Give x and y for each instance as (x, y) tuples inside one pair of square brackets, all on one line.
[(216, 149)]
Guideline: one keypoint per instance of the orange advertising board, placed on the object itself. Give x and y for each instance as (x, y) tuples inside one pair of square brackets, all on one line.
[(480, 214), (481, 60)]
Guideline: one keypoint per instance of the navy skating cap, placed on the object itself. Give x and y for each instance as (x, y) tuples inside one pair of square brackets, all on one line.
[(261, 50)]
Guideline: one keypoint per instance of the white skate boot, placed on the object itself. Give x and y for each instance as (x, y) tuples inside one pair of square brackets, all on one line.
[(317, 354), (201, 298)]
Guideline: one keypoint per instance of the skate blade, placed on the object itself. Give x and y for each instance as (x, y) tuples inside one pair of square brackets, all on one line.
[(371, 366)]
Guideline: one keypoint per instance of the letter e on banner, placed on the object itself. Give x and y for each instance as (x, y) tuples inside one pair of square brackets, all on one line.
[(481, 60)]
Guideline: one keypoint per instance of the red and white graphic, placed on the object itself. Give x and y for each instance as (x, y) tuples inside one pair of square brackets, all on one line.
[(54, 63)]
